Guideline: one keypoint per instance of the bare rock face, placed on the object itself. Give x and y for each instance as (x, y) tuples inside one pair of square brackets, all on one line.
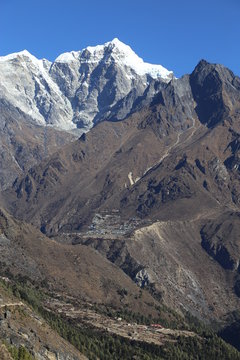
[(143, 278), (216, 91)]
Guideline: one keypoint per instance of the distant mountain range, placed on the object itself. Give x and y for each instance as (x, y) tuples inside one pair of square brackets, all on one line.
[(139, 171)]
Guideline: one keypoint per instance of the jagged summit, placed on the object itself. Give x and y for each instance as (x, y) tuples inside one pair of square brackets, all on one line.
[(20, 54), (114, 46), (26, 57), (206, 67), (119, 52), (202, 63), (222, 87), (114, 50)]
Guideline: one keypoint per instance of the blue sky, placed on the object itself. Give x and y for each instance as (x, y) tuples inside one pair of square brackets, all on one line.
[(175, 34)]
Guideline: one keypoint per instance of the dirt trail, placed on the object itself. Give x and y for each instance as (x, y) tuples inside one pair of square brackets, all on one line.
[(17, 304)]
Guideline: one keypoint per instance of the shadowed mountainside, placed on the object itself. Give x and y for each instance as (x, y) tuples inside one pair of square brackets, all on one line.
[(156, 194)]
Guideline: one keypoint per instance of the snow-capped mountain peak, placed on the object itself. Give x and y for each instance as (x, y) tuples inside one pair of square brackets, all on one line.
[(115, 46), (80, 88), (119, 52), (21, 55), (68, 57), (117, 42), (123, 53), (24, 57)]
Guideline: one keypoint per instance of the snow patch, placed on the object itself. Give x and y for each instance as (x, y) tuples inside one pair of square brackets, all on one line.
[(17, 54), (130, 178), (68, 57)]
